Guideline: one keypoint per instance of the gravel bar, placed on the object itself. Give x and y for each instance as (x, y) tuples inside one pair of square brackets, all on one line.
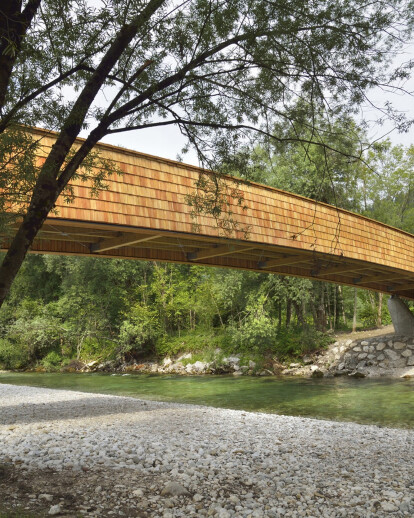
[(99, 455)]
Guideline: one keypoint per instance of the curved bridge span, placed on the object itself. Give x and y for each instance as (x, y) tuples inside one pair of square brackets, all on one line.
[(144, 214)]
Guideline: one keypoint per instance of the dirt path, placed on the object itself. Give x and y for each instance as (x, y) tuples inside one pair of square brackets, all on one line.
[(385, 330)]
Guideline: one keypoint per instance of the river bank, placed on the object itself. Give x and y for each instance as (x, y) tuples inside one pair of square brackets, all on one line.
[(74, 453), (375, 353)]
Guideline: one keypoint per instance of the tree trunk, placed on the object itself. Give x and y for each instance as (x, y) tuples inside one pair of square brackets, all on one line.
[(321, 315), (279, 322), (304, 313), (79, 345), (314, 313), (217, 307), (372, 301), (354, 320), (299, 310), (328, 306), (341, 296), (379, 314), (13, 27), (288, 312)]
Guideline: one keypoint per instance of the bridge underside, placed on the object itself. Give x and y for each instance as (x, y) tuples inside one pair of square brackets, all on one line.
[(65, 237), (144, 214)]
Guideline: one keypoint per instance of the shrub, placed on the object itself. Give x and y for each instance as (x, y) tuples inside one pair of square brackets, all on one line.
[(193, 341), (101, 349), (39, 335), (140, 330), (256, 334), (51, 361), (13, 356), (296, 342)]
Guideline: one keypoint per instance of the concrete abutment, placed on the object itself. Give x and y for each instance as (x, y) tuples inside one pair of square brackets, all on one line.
[(402, 318)]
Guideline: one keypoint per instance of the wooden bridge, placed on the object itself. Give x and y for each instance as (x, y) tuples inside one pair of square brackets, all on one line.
[(144, 214)]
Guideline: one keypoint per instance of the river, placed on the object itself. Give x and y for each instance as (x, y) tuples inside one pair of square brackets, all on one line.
[(384, 402)]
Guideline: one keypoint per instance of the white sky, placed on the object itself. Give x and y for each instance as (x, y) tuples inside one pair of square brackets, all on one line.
[(165, 142)]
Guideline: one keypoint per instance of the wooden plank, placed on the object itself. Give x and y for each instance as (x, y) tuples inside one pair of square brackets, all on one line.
[(404, 287), (265, 245), (379, 278), (217, 251), (340, 269), (284, 261), (120, 241)]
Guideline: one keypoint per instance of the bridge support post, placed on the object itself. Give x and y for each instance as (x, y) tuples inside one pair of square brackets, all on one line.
[(401, 316)]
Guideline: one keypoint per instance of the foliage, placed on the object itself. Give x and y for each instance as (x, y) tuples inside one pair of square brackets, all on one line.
[(388, 195), (293, 343), (18, 154), (100, 349), (12, 357), (148, 313), (320, 173), (140, 332), (368, 311), (52, 361), (195, 341), (257, 331), (34, 329)]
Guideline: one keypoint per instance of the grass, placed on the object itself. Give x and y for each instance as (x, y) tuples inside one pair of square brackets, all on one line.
[(19, 513)]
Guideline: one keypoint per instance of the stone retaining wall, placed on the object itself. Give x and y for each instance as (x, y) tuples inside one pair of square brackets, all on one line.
[(377, 356)]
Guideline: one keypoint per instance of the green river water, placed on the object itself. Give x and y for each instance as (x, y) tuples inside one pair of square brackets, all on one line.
[(385, 402)]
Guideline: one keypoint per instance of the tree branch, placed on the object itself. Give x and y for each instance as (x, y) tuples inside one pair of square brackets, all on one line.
[(13, 28)]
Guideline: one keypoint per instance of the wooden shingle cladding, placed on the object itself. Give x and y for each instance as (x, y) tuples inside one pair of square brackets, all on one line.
[(144, 215)]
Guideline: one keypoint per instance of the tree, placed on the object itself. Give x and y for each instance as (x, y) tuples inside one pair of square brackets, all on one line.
[(389, 191), (320, 173), (220, 71)]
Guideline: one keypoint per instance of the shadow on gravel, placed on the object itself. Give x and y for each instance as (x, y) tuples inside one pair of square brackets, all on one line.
[(26, 413)]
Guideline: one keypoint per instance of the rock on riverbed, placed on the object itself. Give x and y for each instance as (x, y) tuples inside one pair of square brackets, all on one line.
[(96, 455)]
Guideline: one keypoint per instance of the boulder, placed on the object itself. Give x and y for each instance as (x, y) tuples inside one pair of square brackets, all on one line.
[(392, 355), (232, 359), (55, 510), (399, 345)]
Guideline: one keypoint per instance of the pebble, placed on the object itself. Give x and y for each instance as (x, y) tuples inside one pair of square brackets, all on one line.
[(55, 510), (207, 461)]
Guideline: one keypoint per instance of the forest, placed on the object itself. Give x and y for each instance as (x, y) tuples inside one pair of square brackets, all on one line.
[(62, 309)]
